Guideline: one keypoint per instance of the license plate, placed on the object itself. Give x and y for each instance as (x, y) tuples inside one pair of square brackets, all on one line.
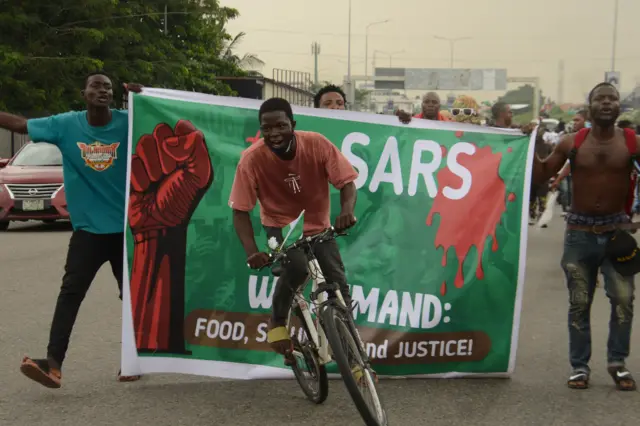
[(32, 205)]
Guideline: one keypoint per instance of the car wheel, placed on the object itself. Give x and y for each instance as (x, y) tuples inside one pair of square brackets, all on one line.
[(4, 226)]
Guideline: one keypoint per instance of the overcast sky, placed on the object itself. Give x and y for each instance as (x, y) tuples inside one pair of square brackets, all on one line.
[(528, 38)]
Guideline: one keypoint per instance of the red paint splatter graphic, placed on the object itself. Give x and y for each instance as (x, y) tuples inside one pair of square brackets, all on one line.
[(469, 221), (511, 197), (459, 134), (509, 149), (254, 139)]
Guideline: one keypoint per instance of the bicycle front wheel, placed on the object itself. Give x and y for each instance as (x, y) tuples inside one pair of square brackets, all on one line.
[(311, 376), (357, 374)]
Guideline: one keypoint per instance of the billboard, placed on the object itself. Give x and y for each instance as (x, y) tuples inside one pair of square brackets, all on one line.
[(613, 77), (442, 79)]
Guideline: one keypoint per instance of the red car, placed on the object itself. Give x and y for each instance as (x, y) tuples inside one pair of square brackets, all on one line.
[(31, 185)]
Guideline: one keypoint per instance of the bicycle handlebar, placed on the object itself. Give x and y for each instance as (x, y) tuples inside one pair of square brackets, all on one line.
[(329, 234)]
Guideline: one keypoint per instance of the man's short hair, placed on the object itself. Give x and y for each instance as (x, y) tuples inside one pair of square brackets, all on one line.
[(599, 85), (433, 94), (329, 88), (274, 105), (497, 109), (86, 79), (582, 113)]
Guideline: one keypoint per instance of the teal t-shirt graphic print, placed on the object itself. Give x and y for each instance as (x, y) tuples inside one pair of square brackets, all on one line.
[(94, 163), (433, 263)]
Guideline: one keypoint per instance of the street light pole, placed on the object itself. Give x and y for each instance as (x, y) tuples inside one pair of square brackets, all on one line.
[(391, 57), (388, 54), (366, 48), (452, 42), (350, 83), (615, 37)]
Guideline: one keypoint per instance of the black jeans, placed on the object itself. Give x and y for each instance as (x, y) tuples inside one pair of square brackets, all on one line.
[(296, 273), (87, 253)]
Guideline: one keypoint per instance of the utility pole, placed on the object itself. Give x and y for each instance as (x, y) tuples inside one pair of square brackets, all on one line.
[(561, 82), (315, 51), (452, 43), (166, 31), (615, 37), (350, 91)]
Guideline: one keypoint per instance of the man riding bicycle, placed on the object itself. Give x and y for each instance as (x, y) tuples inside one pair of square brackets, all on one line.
[(289, 171)]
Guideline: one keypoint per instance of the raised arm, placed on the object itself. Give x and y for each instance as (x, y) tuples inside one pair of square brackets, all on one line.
[(543, 170), (13, 123)]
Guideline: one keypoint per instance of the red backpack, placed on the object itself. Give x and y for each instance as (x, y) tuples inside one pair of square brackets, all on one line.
[(632, 146)]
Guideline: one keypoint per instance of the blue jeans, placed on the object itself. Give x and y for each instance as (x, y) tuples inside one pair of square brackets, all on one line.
[(583, 257)]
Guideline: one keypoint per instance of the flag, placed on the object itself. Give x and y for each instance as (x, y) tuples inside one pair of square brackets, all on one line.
[(294, 230), (547, 215)]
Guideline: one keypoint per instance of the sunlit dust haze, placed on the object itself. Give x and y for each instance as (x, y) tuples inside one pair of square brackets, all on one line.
[(528, 38)]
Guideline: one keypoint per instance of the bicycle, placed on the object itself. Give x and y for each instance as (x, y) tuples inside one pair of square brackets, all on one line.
[(332, 336)]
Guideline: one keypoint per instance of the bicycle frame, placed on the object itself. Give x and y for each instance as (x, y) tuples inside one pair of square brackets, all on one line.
[(317, 334)]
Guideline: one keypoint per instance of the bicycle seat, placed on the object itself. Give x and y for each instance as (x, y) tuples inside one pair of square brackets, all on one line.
[(277, 270)]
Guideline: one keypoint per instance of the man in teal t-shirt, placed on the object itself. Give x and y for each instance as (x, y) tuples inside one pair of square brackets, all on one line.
[(94, 146), (94, 164)]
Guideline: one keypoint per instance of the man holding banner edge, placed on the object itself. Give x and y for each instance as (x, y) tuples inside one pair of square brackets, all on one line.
[(92, 143), (289, 172)]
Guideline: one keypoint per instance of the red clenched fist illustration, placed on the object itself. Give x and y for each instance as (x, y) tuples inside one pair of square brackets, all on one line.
[(170, 173)]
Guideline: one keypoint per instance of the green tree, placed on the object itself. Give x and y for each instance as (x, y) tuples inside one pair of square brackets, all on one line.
[(522, 95), (248, 60), (47, 48)]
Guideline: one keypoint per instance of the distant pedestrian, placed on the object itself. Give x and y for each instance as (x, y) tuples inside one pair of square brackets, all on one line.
[(330, 97), (502, 115), (431, 105)]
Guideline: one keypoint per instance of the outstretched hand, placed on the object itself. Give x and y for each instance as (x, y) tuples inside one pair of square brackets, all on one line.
[(527, 129), (132, 87), (403, 116)]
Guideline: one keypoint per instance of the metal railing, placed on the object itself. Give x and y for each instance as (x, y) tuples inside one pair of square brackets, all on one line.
[(295, 86)]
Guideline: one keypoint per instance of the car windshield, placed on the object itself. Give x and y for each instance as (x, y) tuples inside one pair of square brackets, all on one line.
[(38, 154)]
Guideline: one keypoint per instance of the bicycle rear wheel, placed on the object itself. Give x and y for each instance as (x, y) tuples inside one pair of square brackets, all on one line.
[(310, 374), (357, 374)]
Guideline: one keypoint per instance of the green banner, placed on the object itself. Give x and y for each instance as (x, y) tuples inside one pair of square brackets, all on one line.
[(435, 262)]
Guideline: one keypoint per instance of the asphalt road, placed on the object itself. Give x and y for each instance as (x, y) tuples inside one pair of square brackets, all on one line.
[(31, 263)]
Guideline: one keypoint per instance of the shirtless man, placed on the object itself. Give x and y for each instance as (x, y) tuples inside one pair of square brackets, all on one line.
[(601, 179)]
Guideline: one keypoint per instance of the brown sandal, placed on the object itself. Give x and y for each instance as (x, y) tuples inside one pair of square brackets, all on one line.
[(578, 380), (39, 371), (622, 378)]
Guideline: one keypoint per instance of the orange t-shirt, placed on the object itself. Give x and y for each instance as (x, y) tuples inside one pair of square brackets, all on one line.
[(441, 116), (285, 188)]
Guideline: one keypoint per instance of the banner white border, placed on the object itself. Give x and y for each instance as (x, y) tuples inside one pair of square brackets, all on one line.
[(132, 364)]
